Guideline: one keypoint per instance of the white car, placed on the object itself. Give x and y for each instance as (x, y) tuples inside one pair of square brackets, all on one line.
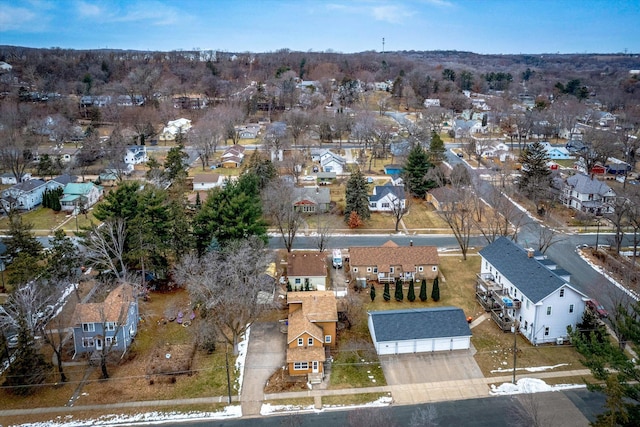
[(309, 178)]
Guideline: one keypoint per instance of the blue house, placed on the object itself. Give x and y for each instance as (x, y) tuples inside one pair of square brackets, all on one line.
[(106, 326)]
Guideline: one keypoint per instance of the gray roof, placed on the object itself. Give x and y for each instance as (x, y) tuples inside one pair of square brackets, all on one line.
[(28, 186), (382, 190), (400, 325), (532, 278), (585, 185), (318, 195)]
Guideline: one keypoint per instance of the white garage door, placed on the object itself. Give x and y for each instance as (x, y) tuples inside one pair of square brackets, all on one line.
[(441, 344), (387, 347), (423, 346)]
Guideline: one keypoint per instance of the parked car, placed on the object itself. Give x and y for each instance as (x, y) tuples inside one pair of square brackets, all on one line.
[(597, 308), (12, 341), (309, 178)]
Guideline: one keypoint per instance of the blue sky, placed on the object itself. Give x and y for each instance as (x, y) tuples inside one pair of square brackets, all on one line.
[(481, 26)]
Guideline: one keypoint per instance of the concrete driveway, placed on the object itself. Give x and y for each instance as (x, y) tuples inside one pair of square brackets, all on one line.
[(265, 354), (430, 367)]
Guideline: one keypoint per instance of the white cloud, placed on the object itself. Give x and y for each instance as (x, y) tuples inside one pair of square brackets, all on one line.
[(147, 12), (90, 10), (16, 18), (391, 14)]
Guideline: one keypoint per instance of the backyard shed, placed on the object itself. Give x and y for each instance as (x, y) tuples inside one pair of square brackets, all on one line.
[(419, 330)]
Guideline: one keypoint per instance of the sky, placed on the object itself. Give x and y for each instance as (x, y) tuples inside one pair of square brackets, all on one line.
[(347, 26)]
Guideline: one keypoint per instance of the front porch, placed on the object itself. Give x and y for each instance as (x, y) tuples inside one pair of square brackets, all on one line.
[(496, 301)]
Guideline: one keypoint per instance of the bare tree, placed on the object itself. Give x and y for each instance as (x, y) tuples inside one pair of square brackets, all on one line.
[(323, 232), (547, 237), (227, 285), (457, 212), (205, 137), (294, 162), (297, 124), (275, 140), (106, 246), (619, 218), (599, 149), (503, 219), (397, 209), (15, 150), (278, 200)]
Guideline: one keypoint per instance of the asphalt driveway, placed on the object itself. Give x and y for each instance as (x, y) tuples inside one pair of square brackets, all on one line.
[(265, 354), (430, 367)]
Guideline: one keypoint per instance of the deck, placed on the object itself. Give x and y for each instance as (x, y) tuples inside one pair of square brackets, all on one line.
[(496, 300)]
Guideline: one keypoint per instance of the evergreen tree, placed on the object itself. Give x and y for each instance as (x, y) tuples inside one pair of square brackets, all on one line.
[(435, 292), (174, 166), (55, 201), (306, 284), (386, 295), (399, 296), (198, 201), (29, 366), (411, 295), (20, 238), (436, 148), (536, 175), (423, 291), (121, 203), (357, 199), (415, 171), (372, 293), (289, 289)]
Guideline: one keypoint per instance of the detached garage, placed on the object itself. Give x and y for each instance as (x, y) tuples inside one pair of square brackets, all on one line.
[(419, 331)]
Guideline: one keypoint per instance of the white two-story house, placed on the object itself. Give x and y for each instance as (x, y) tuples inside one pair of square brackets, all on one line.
[(589, 195), (521, 288), (387, 198)]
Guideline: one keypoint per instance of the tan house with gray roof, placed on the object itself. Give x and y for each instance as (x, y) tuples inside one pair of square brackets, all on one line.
[(311, 331), (390, 261)]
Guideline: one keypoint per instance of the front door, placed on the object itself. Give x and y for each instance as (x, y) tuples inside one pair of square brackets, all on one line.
[(315, 366), (98, 343)]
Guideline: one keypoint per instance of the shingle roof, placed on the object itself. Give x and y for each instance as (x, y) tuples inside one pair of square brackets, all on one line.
[(381, 191), (29, 185), (317, 306), (391, 254), (532, 278), (305, 354), (317, 195), (307, 263), (400, 325), (113, 309), (585, 185), (298, 324)]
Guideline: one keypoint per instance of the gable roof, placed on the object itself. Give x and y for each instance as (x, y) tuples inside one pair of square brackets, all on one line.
[(206, 178), (74, 188), (586, 185), (411, 324), (531, 277), (381, 191), (65, 179), (113, 309), (299, 324), (307, 263), (315, 195), (392, 254), (28, 186), (317, 306)]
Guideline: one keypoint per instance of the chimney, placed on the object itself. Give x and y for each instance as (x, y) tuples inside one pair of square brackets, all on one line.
[(530, 252), (410, 242)]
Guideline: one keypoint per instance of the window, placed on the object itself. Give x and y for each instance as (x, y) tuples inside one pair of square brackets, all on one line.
[(375, 269), (110, 326), (527, 303), (327, 339), (391, 269), (368, 269), (571, 308), (385, 205), (355, 269), (546, 331), (515, 293), (298, 281), (526, 324), (111, 341), (300, 366), (561, 293), (549, 311), (88, 327), (434, 268), (87, 342), (310, 341), (300, 342)]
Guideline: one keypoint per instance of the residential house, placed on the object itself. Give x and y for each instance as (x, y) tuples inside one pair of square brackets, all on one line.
[(26, 195), (522, 292), (175, 128), (65, 179), (136, 154), (442, 197), (586, 194), (307, 268), (419, 330), (193, 102), (387, 198), (80, 195), (248, 131), (232, 156), (204, 181), (387, 262), (108, 325), (431, 102), (325, 178), (492, 149), (466, 128), (331, 162), (311, 199), (311, 331), (10, 179)]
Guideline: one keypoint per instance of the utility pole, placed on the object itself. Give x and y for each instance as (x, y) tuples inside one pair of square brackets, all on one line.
[(383, 45), (226, 355), (514, 328)]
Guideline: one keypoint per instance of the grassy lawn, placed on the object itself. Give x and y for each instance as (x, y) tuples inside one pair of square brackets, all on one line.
[(352, 399), (422, 215), (45, 220)]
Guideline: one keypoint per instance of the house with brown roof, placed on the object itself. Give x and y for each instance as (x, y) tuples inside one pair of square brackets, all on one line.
[(388, 262), (232, 156), (442, 197), (108, 325), (311, 331), (307, 268)]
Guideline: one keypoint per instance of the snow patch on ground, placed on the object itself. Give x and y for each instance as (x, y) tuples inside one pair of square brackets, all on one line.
[(600, 270), (530, 369), (268, 409), (242, 356), (529, 385), (155, 417)]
